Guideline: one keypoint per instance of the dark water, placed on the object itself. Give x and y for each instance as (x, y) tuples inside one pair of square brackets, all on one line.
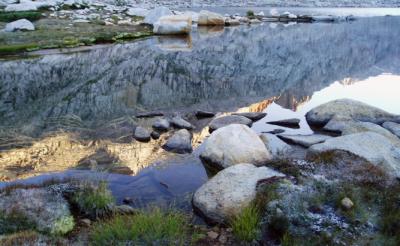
[(284, 70)]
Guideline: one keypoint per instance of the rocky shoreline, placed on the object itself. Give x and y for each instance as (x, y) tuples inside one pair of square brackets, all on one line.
[(342, 190)]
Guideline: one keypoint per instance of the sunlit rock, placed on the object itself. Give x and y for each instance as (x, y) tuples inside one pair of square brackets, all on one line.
[(207, 18), (180, 142), (347, 108), (234, 144), (305, 140), (173, 24), (232, 189), (370, 146)]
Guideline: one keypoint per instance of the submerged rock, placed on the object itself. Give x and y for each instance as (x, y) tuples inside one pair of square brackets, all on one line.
[(276, 146), (40, 208), (227, 193), (173, 24), (141, 134), (179, 122), (207, 18), (228, 120), (305, 140), (180, 142), (370, 146), (393, 128), (347, 109), (19, 25), (254, 116), (234, 144), (286, 123), (155, 14)]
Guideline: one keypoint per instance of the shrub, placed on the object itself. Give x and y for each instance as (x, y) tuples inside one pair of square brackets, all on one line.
[(250, 13), (14, 222), (145, 228), (13, 16)]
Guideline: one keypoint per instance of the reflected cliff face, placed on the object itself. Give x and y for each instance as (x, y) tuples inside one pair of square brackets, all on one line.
[(217, 69)]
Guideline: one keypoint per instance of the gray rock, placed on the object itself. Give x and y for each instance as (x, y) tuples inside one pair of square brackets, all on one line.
[(28, 6), (305, 140), (204, 114), (19, 25), (149, 114), (286, 123), (254, 116), (179, 122), (392, 127), (228, 120), (234, 144), (141, 134), (155, 14), (155, 135), (276, 131), (370, 146), (161, 124), (276, 146), (180, 142), (347, 109), (351, 127), (231, 190), (46, 209)]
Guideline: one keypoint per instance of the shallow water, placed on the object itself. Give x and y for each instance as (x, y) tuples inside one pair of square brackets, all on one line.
[(284, 70)]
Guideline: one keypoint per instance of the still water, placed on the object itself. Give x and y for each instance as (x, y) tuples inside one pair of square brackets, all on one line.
[(282, 69)]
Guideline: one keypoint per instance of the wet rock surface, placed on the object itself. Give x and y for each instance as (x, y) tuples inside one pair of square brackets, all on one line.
[(294, 123)]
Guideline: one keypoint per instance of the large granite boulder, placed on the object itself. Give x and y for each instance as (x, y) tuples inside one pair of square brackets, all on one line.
[(228, 120), (373, 147), (347, 109), (45, 210), (19, 25), (173, 24), (155, 14), (207, 18), (227, 193), (234, 144)]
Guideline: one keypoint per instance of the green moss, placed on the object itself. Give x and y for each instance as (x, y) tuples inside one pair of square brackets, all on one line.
[(15, 48), (130, 36), (93, 199), (13, 16), (145, 228), (63, 225), (250, 13), (246, 226)]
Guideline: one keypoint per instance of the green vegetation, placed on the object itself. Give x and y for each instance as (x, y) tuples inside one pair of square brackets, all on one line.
[(14, 222), (16, 48), (246, 226), (250, 13), (145, 228), (13, 16), (93, 199)]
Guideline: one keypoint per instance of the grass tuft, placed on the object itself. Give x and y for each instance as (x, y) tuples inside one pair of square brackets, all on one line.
[(246, 225), (153, 227), (13, 16), (93, 199)]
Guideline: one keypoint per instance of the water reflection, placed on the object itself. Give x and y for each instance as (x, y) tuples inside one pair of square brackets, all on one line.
[(223, 72)]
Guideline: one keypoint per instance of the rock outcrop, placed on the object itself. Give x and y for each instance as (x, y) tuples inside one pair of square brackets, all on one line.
[(173, 24)]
